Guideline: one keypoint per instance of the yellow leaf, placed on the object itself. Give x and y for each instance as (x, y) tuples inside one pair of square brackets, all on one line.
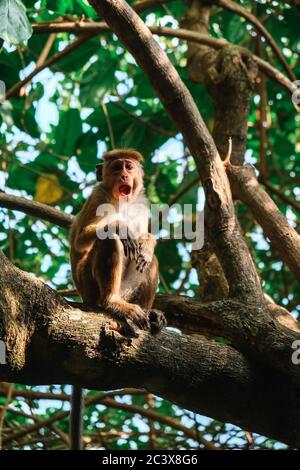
[(48, 189)]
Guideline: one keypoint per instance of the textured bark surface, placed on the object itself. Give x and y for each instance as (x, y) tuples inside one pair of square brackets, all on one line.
[(229, 75), (50, 341)]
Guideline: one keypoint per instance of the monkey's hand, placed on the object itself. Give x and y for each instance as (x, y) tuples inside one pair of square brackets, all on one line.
[(130, 244), (144, 258)]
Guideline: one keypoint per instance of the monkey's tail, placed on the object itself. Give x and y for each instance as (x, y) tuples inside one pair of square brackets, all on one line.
[(76, 418)]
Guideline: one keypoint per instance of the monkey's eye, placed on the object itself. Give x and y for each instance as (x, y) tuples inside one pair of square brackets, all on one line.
[(129, 166), (117, 166)]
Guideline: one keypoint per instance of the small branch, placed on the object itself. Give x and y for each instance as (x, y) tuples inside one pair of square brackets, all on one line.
[(109, 126), (142, 5), (111, 403), (68, 292), (35, 427), (175, 197), (42, 58), (47, 48), (287, 200), (15, 89), (236, 8), (184, 34), (226, 160), (36, 209), (4, 410), (167, 420), (97, 399)]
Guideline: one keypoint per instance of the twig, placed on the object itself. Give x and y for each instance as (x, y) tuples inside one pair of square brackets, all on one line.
[(236, 8), (41, 59), (185, 34), (108, 122), (47, 48), (14, 90), (110, 402), (175, 197), (152, 432), (185, 278), (280, 194), (4, 410), (262, 121), (228, 155), (145, 4), (68, 292)]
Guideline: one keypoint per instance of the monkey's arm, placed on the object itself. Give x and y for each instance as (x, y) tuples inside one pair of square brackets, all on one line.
[(102, 228), (84, 236), (146, 246)]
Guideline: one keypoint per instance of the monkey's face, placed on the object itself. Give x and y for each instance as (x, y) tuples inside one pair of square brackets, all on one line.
[(124, 178)]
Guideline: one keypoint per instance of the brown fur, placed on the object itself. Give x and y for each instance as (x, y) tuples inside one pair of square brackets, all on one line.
[(102, 273)]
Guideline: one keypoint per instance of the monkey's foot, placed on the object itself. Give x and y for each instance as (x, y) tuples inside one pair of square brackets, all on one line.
[(157, 321)]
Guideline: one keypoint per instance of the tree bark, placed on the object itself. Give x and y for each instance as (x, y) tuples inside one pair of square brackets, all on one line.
[(50, 341)]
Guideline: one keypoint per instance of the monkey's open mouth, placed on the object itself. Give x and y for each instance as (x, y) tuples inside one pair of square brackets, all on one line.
[(124, 190)]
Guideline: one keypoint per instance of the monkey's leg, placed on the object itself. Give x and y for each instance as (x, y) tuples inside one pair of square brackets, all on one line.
[(108, 265), (84, 280), (145, 294)]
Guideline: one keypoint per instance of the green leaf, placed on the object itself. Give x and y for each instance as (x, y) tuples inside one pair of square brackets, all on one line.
[(22, 177), (15, 27), (86, 151), (98, 80), (67, 132), (60, 6), (81, 8), (80, 56), (24, 117)]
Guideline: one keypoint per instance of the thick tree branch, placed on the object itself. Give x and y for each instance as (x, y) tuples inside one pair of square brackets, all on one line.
[(190, 317), (215, 318), (283, 237), (50, 341)]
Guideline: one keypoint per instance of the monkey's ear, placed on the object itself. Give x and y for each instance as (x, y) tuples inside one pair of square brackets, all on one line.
[(99, 168)]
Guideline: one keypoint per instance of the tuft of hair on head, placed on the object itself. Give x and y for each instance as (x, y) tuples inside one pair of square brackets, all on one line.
[(122, 153)]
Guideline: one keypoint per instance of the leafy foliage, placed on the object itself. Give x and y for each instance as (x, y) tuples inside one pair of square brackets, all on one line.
[(14, 24), (54, 134)]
